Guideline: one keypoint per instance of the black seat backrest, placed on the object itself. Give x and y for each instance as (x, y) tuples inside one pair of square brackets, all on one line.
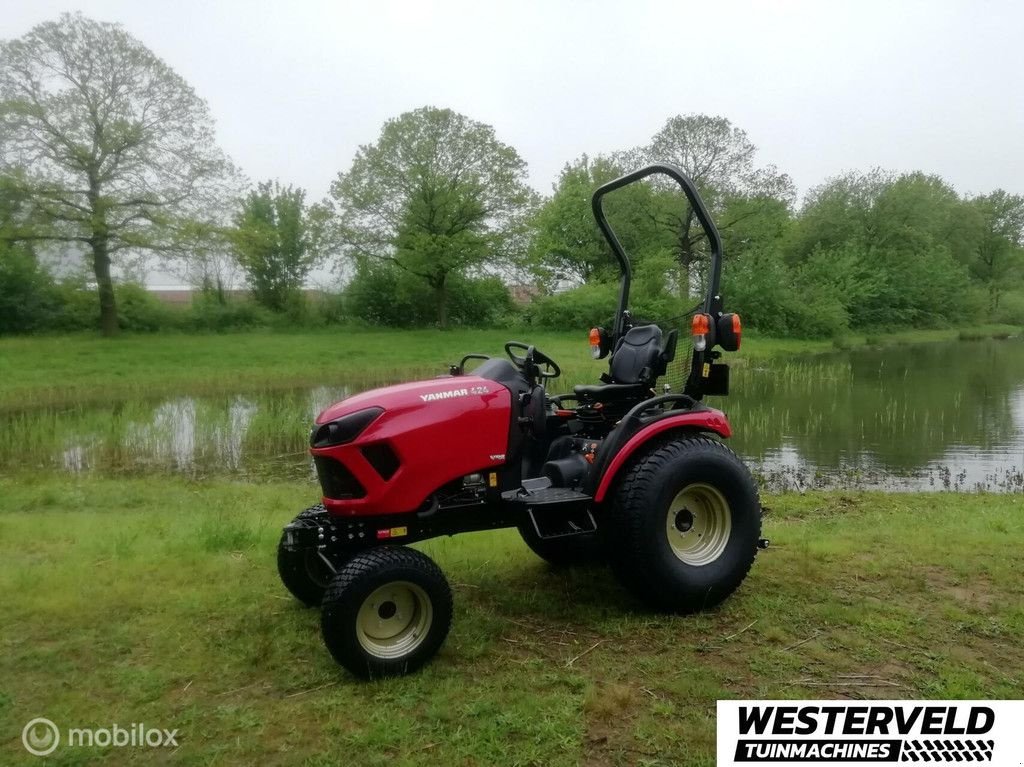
[(637, 356)]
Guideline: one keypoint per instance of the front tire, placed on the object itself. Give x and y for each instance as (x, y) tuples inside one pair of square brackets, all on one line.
[(303, 571), (684, 525), (386, 612)]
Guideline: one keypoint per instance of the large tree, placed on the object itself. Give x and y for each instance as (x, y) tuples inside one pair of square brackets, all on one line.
[(997, 252), (893, 247), (115, 146), (567, 243), (438, 194), (277, 242), (720, 159)]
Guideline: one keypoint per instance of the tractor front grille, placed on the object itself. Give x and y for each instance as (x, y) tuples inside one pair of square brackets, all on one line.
[(336, 480), (382, 458)]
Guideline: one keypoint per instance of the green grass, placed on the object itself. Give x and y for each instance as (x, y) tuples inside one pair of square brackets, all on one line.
[(157, 601), (75, 369)]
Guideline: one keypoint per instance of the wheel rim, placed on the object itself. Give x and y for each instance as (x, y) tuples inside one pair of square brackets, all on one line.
[(698, 524), (394, 620)]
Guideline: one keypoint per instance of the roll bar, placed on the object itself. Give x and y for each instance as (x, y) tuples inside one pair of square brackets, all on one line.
[(699, 209)]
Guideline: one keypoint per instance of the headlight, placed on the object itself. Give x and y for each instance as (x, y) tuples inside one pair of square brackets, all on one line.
[(344, 429)]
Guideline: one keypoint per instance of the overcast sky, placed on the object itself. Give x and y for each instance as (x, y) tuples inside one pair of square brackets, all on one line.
[(820, 87)]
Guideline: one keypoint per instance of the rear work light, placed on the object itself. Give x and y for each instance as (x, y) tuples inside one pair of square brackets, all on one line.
[(700, 328), (600, 343)]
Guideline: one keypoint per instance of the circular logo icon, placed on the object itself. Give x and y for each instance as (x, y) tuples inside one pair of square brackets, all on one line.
[(40, 736)]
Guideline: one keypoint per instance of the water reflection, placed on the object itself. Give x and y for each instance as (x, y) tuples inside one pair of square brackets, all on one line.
[(936, 416), (169, 439), (943, 416)]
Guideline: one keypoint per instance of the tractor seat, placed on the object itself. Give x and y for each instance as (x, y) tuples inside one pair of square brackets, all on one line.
[(639, 358)]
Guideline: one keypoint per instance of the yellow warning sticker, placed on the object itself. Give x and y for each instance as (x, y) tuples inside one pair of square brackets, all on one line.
[(492, 479), (398, 532), (707, 370)]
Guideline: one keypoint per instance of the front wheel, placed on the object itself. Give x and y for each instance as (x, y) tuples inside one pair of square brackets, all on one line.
[(684, 525), (304, 570), (386, 612)]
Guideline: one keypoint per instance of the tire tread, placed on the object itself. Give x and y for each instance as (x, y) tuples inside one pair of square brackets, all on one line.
[(625, 540)]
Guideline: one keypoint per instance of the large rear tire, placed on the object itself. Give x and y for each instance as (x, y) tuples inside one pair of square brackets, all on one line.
[(386, 612), (570, 551), (683, 528)]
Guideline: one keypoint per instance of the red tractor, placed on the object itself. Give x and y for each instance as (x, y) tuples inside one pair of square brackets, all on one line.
[(614, 472)]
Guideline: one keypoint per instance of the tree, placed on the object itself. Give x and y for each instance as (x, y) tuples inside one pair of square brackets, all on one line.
[(208, 262), (567, 243), (276, 241), (437, 195), (719, 159), (892, 248), (997, 256), (838, 212), (115, 146)]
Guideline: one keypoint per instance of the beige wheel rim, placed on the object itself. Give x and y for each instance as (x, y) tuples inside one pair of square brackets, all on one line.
[(698, 524), (394, 620)]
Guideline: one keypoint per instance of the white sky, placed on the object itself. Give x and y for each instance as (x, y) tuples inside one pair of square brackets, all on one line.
[(820, 87)]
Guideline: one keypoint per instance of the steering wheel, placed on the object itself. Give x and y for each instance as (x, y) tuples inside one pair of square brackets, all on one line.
[(534, 363)]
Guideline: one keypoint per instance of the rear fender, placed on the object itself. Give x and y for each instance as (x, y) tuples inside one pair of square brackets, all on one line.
[(704, 420)]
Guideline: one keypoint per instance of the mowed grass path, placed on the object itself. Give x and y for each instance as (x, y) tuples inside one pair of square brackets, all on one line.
[(157, 601)]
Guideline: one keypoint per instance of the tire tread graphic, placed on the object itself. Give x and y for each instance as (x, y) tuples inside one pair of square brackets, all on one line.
[(947, 751)]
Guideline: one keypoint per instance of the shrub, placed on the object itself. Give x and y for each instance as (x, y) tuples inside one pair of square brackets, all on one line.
[(79, 307), (763, 290), (211, 314), (140, 311), (479, 302), (385, 295), (29, 300), (1010, 310), (585, 306)]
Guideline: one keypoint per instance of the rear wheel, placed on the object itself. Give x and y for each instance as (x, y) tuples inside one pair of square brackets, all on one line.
[(386, 612), (684, 525), (571, 550)]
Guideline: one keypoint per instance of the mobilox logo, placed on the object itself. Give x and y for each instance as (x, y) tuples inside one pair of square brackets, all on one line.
[(868, 732), (41, 736)]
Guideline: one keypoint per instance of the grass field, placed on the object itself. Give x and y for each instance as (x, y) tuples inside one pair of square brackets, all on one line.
[(74, 369), (157, 601)]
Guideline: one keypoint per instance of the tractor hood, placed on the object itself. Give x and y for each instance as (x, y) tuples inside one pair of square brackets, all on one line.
[(418, 394), (414, 438)]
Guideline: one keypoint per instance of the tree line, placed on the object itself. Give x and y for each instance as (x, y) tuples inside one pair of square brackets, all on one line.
[(109, 158)]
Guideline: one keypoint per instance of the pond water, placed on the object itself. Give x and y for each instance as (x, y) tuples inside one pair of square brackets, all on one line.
[(925, 417)]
